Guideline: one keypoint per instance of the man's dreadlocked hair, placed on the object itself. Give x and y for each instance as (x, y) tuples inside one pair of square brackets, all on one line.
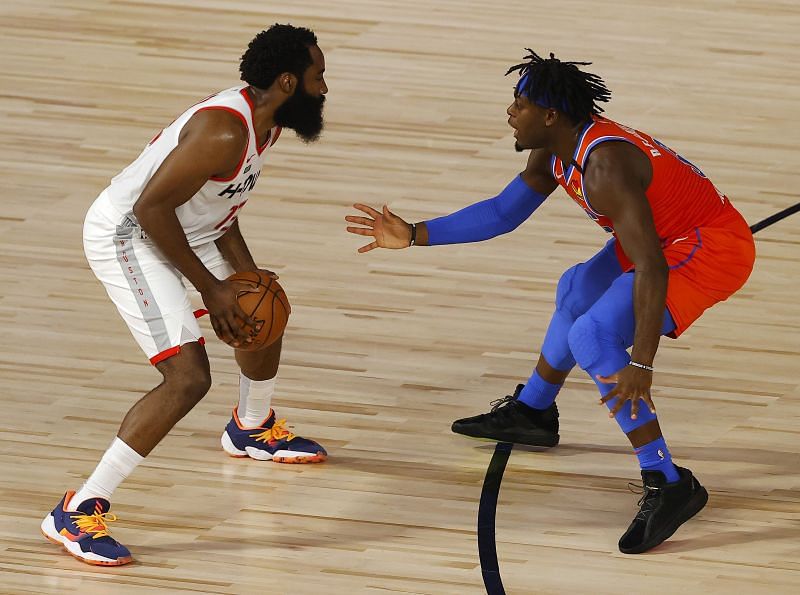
[(562, 85), (281, 48)]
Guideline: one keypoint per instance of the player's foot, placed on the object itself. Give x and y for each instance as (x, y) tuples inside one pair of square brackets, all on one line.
[(664, 508), (84, 532), (271, 441), (513, 421)]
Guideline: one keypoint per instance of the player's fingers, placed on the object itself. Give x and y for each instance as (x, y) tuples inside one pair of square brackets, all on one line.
[(270, 274), (361, 231), (607, 379), (216, 327), (617, 406), (232, 329), (244, 318), (368, 247), (222, 328), (634, 408), (360, 220), (245, 287), (610, 395), (649, 400), (366, 209)]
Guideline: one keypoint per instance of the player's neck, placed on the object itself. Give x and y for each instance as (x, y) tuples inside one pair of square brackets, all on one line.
[(264, 106), (565, 142)]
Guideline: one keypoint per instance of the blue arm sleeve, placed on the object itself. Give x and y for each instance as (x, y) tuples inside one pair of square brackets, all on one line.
[(488, 218)]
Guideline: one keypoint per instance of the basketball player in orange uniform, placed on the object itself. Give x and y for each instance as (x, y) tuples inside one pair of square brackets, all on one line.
[(173, 215), (678, 247)]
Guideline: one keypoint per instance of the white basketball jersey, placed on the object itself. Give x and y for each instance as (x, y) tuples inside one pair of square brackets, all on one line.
[(215, 207)]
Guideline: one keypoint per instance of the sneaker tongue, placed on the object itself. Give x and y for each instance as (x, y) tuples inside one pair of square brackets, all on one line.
[(93, 505), (269, 420)]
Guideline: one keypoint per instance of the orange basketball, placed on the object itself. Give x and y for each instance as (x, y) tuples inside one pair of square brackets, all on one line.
[(268, 306)]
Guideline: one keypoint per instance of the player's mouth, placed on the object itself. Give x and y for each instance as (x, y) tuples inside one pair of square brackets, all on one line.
[(514, 127)]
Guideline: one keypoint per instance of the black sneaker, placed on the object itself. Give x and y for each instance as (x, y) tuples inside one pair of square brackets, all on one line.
[(664, 508), (512, 421)]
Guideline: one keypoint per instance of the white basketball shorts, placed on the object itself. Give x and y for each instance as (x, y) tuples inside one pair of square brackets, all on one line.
[(150, 294)]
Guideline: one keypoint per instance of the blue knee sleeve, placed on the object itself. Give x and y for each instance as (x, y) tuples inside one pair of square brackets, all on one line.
[(555, 348), (578, 289), (599, 340)]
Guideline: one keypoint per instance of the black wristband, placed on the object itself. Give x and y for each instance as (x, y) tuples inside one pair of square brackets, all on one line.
[(642, 366), (413, 234)]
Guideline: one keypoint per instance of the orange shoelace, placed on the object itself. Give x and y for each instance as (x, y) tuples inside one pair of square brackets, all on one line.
[(94, 524), (277, 432)]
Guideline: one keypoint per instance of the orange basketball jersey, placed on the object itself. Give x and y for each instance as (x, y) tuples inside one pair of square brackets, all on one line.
[(681, 197)]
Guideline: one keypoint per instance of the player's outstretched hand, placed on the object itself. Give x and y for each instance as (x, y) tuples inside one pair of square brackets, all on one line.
[(230, 322), (389, 230)]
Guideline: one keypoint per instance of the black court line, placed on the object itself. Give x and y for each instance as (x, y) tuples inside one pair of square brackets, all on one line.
[(487, 509)]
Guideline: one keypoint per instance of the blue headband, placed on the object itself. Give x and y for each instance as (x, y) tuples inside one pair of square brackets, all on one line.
[(542, 100)]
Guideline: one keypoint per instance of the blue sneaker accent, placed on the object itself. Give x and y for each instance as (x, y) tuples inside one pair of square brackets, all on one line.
[(270, 441), (84, 532)]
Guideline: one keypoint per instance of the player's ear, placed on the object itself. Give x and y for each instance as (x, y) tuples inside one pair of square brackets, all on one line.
[(287, 82), (550, 117)]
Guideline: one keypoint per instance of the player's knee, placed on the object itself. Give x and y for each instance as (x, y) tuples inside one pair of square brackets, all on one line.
[(189, 385), (188, 375), (584, 341), (570, 297)]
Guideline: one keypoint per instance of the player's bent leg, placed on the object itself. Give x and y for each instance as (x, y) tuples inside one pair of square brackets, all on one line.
[(599, 340), (79, 522), (530, 416), (254, 430), (187, 379)]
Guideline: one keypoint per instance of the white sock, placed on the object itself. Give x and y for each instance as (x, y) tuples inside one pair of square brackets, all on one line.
[(117, 463), (255, 398)]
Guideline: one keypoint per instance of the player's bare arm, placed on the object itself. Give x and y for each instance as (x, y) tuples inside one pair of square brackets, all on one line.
[(233, 247), (617, 175), (211, 144), (515, 204)]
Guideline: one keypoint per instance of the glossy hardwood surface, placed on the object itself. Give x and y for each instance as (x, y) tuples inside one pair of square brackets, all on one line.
[(385, 350)]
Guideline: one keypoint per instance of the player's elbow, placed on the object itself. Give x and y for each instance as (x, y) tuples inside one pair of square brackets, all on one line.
[(143, 213)]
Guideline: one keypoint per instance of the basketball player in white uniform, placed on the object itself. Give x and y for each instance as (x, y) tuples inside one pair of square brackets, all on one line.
[(172, 216)]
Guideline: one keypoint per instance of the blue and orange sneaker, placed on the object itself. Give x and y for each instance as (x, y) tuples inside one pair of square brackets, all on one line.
[(270, 441), (84, 532)]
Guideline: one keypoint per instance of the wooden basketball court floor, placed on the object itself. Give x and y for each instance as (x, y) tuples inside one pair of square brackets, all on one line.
[(384, 350)]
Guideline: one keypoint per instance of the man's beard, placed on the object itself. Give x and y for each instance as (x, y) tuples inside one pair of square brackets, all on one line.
[(302, 113), (518, 148)]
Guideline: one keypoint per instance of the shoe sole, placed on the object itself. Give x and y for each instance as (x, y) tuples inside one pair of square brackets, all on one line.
[(262, 455), (695, 505), (48, 529), (544, 440)]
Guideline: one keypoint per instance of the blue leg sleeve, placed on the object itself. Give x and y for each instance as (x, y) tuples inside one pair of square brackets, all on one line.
[(578, 289), (599, 340)]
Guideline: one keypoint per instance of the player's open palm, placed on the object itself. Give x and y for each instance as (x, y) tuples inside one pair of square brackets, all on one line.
[(389, 230)]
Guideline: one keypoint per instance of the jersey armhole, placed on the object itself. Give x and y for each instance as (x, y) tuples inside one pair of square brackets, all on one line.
[(592, 146), (247, 145)]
